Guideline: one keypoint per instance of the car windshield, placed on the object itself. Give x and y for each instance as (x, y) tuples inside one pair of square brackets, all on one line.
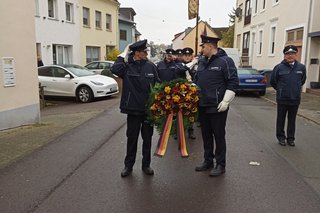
[(79, 71), (248, 72)]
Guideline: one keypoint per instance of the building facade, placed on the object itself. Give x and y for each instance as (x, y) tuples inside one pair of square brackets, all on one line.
[(98, 29), (19, 92), (127, 28), (263, 28), (58, 31)]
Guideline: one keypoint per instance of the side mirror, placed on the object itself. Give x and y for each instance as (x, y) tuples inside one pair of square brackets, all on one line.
[(67, 76)]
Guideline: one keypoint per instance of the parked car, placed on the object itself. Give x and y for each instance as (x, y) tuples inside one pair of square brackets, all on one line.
[(100, 66), (267, 73), (75, 81), (251, 80)]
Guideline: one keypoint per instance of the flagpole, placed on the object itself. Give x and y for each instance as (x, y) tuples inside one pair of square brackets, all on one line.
[(197, 21)]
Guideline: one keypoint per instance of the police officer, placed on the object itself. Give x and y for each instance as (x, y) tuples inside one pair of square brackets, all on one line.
[(178, 55), (287, 79), (138, 76), (168, 68), (187, 57), (217, 78)]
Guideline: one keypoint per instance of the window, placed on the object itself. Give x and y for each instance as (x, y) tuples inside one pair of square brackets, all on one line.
[(69, 12), (86, 17), (245, 44), (61, 54), (295, 35), (108, 21), (52, 8), (255, 6), (239, 15), (272, 40), (260, 42), (123, 35), (92, 54), (98, 19), (37, 7), (247, 13), (109, 49)]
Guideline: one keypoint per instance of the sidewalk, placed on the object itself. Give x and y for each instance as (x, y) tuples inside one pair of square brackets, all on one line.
[(309, 107)]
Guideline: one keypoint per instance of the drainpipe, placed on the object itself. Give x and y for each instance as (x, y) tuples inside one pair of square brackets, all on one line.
[(307, 41)]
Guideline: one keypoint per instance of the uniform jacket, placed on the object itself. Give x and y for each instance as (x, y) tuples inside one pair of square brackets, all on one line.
[(214, 76), (169, 71), (288, 82), (137, 79)]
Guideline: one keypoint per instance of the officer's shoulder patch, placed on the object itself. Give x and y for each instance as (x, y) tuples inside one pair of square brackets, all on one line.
[(214, 68)]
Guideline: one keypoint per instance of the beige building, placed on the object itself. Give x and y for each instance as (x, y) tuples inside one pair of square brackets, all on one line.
[(263, 28), (98, 29), (19, 94), (187, 38)]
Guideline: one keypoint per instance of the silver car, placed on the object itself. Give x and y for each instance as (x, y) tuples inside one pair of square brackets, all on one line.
[(99, 66)]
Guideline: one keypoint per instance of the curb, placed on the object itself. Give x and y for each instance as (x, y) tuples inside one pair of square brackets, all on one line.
[(299, 114)]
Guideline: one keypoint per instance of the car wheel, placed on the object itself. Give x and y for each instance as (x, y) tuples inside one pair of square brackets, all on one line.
[(262, 93), (84, 94)]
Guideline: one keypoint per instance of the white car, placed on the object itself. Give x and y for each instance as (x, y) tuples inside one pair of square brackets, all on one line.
[(75, 81), (99, 66)]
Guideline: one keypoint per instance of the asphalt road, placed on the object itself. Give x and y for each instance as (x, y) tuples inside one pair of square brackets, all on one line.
[(80, 171)]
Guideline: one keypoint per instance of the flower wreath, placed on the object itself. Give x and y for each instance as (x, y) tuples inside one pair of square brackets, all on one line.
[(172, 97)]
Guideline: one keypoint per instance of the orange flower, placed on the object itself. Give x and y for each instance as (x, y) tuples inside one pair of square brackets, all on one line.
[(176, 98), (167, 89)]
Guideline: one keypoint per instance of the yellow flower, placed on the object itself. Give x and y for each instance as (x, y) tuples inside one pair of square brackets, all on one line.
[(188, 97), (193, 89), (196, 99), (194, 110), (191, 119), (167, 106), (182, 86), (176, 98), (168, 97), (167, 89), (153, 107)]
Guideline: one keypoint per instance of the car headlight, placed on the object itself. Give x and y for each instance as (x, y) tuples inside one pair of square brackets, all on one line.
[(97, 83)]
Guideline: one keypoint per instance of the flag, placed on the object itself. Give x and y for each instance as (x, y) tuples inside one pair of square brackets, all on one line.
[(204, 32), (193, 8)]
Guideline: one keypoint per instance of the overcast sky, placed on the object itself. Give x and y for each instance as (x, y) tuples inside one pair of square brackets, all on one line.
[(159, 20)]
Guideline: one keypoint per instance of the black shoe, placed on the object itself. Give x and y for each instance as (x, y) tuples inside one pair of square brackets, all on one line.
[(126, 172), (203, 167), (147, 170), (217, 171), (291, 143), (282, 143), (191, 136)]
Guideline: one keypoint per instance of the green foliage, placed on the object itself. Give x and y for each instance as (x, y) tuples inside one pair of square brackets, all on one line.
[(112, 56), (228, 37)]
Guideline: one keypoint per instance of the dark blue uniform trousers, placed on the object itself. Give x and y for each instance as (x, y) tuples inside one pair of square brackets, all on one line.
[(213, 130), (282, 111), (135, 123)]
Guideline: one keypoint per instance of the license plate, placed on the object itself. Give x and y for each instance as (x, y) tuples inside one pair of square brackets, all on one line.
[(251, 80)]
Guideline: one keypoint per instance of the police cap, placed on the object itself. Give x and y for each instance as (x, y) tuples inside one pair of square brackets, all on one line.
[(178, 52), (206, 39), (290, 49), (169, 51), (139, 46), (187, 51)]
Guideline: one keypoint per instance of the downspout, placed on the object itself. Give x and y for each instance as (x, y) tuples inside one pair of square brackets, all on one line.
[(307, 42)]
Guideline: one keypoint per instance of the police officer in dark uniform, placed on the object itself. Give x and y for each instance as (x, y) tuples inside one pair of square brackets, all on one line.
[(168, 68), (218, 80), (287, 79), (138, 76)]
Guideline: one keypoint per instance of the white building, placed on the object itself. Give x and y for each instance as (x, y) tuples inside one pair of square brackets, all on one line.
[(58, 31), (19, 93), (263, 28)]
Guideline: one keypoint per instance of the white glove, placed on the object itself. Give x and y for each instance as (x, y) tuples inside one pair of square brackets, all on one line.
[(191, 64), (188, 76), (227, 98), (125, 53)]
